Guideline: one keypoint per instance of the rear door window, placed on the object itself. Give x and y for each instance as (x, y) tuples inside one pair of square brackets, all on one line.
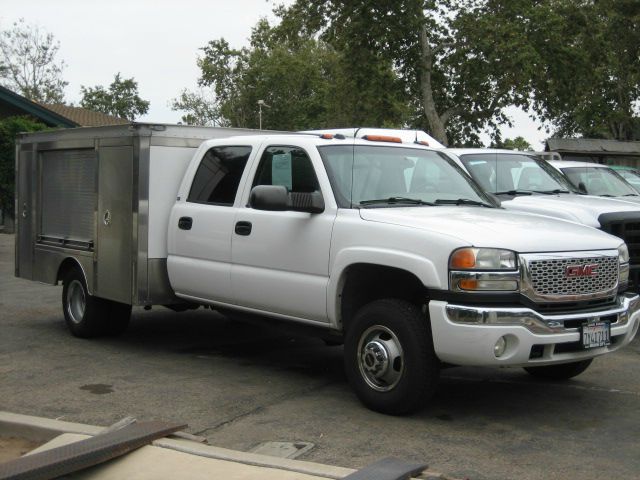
[(218, 176)]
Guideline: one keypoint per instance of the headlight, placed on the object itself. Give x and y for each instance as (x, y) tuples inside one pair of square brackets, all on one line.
[(483, 259), (483, 270), (623, 258), (623, 253)]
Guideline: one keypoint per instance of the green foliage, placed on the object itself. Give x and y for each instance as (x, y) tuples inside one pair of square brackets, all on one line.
[(9, 128), (303, 82), (200, 108), (448, 91), (518, 143), (446, 67), (28, 63), (575, 62), (120, 99)]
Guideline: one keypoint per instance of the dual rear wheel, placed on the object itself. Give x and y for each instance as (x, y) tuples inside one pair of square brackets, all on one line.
[(87, 316)]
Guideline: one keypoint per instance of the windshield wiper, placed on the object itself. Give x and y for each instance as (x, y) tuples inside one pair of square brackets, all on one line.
[(396, 200), (630, 195), (461, 201), (551, 192), (515, 192)]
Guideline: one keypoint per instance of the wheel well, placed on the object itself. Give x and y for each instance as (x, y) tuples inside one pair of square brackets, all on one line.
[(364, 283), (66, 266)]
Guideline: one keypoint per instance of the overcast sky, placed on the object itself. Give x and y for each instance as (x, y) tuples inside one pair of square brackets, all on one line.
[(157, 43)]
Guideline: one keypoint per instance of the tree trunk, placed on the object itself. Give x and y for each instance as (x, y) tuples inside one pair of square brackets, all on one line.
[(436, 122)]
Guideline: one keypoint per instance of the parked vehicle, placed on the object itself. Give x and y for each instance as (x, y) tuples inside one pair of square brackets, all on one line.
[(388, 246), (630, 174), (596, 179)]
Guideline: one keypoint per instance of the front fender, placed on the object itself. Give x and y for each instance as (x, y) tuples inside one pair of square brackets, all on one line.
[(423, 268)]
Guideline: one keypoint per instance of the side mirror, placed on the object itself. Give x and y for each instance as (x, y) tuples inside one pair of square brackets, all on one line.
[(311, 202), (276, 198), (269, 197)]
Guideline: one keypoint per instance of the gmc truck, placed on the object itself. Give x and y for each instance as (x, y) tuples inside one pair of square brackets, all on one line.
[(387, 246)]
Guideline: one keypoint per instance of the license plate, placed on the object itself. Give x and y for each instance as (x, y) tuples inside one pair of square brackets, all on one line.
[(595, 335)]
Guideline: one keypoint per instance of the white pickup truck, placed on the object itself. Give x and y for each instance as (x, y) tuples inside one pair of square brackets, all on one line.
[(388, 246)]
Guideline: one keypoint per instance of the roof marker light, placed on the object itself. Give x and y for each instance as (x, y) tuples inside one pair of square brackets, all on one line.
[(382, 138), (329, 136), (422, 142)]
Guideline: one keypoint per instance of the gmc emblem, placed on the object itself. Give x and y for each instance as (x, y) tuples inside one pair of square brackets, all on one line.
[(589, 270)]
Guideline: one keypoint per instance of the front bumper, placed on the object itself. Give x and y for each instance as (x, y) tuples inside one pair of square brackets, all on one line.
[(466, 335)]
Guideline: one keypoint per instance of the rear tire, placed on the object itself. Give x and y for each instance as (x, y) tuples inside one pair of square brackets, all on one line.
[(563, 371), (389, 357), (87, 316), (84, 314)]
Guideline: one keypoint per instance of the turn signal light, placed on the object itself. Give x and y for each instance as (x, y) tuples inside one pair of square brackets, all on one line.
[(463, 258), (468, 284)]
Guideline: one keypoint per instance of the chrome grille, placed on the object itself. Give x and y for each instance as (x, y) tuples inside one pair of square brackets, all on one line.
[(547, 276)]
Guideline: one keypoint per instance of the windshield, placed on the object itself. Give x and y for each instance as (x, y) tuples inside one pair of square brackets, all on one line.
[(598, 181), (363, 175), (632, 177), (511, 173)]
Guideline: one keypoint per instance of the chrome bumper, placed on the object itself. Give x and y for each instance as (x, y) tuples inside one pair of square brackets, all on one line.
[(618, 315)]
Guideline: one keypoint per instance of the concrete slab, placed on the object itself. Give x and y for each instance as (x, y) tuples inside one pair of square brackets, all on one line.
[(152, 463), (176, 457)]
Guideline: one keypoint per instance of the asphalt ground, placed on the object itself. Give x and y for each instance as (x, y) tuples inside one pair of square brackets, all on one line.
[(240, 385)]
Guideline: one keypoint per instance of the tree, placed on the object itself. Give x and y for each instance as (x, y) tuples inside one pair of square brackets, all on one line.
[(28, 63), (452, 94), (200, 108), (518, 143), (120, 99), (578, 59), (300, 78), (9, 128)]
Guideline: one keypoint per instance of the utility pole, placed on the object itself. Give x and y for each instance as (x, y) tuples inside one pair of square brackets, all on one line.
[(260, 105)]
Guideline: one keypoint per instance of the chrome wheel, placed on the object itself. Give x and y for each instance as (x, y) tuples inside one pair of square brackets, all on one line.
[(76, 301), (380, 358)]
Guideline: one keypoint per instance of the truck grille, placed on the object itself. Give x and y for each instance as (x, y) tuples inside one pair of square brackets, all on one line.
[(548, 276), (546, 280), (626, 225)]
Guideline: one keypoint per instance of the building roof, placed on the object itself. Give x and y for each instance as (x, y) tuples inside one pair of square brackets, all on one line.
[(593, 146), (12, 104), (84, 117)]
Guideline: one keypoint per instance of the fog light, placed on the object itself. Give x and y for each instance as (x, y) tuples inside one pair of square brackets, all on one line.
[(500, 347)]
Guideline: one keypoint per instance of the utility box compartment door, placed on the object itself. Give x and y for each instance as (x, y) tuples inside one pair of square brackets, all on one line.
[(115, 223), (25, 212)]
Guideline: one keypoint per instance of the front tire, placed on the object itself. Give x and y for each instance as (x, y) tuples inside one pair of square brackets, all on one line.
[(389, 357), (563, 371)]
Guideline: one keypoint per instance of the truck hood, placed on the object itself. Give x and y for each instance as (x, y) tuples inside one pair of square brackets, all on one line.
[(485, 227), (583, 209)]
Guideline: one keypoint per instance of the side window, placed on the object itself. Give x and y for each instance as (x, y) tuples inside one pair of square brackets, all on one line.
[(290, 167), (218, 176)]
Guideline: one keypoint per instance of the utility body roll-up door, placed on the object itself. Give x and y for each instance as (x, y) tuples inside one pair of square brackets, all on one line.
[(68, 195)]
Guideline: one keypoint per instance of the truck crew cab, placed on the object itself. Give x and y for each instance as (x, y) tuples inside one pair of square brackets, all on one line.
[(388, 245)]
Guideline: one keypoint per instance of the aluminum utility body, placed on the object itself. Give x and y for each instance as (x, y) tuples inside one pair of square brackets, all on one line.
[(387, 246)]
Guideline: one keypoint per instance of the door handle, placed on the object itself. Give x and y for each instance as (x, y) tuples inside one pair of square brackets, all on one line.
[(243, 228), (185, 223)]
